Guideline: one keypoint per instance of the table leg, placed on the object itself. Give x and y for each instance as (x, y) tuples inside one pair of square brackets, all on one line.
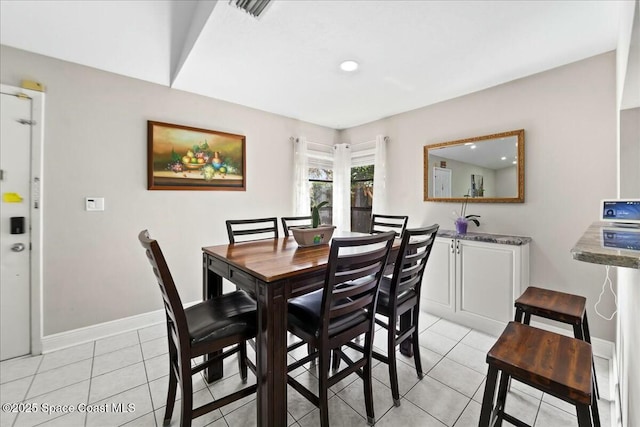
[(271, 356), (211, 287), (406, 347)]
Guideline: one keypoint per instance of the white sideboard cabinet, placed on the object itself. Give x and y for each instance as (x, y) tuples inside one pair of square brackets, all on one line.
[(473, 279)]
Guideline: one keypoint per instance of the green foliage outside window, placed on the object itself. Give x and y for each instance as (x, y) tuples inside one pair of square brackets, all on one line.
[(321, 189)]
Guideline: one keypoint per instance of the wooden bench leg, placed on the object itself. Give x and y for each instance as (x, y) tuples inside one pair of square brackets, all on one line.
[(505, 381), (584, 419), (519, 315), (594, 404), (487, 399), (587, 338)]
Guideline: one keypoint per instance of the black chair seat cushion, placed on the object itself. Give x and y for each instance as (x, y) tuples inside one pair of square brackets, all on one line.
[(221, 317), (304, 312), (384, 305)]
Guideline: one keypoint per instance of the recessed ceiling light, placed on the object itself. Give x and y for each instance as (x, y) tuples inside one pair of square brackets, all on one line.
[(472, 147), (514, 162), (349, 66), (503, 158)]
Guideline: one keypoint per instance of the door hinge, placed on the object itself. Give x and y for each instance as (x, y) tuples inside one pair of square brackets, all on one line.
[(1, 174), (26, 122)]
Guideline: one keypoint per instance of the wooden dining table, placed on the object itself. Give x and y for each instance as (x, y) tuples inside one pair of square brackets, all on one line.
[(273, 271)]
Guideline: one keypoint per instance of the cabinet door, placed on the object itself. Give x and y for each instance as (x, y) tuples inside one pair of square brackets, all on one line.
[(486, 276), (438, 282)]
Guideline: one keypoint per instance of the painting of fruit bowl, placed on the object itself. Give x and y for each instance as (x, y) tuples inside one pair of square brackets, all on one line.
[(188, 158)]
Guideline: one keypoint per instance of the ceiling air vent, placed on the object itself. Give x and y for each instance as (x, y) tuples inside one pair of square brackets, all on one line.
[(252, 7)]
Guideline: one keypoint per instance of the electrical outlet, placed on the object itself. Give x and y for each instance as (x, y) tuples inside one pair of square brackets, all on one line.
[(94, 203)]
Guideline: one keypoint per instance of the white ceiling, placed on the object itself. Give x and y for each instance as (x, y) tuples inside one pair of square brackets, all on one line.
[(411, 53)]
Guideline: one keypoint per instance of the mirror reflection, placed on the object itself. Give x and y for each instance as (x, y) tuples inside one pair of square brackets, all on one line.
[(488, 168)]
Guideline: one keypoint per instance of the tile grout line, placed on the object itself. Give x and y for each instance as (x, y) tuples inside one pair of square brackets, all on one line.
[(93, 358), (146, 375), (26, 393)]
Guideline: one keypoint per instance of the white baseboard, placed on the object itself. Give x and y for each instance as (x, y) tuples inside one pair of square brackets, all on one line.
[(601, 348), (101, 330)]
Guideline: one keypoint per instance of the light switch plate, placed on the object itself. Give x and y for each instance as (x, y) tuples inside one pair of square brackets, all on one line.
[(94, 203)]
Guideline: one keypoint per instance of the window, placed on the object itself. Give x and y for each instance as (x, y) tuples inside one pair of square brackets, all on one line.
[(321, 186), (361, 197), (321, 189)]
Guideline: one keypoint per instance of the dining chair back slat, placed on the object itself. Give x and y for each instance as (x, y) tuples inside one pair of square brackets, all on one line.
[(355, 274), (411, 266), (258, 228), (294, 221), (383, 223)]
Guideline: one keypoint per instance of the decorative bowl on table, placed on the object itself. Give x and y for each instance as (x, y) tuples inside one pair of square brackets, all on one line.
[(308, 236)]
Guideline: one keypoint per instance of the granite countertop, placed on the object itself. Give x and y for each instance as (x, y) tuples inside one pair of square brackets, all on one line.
[(606, 244), (502, 239)]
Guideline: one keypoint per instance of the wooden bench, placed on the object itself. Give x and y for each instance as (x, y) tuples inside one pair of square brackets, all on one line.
[(552, 363)]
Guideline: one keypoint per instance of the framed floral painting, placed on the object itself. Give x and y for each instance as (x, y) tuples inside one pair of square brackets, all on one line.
[(187, 158)]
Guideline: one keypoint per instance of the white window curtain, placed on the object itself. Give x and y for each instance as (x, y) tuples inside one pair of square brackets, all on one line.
[(380, 176), (342, 187), (301, 193)]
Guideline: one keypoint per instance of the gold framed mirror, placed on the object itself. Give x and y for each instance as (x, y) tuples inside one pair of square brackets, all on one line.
[(487, 169)]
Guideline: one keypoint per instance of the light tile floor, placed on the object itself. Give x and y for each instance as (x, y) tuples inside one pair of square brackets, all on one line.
[(122, 380)]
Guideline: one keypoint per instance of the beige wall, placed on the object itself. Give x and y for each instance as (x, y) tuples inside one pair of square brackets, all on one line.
[(569, 119), (96, 145), (630, 153)]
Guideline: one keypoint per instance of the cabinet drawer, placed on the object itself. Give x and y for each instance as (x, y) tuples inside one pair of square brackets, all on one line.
[(218, 267), (242, 279)]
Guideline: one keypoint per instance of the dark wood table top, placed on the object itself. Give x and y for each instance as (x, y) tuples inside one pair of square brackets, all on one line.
[(271, 260)]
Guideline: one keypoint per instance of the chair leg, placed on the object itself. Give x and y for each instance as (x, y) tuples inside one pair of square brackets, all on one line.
[(242, 361), (323, 389), (335, 359), (393, 367), (416, 344), (310, 350), (187, 398), (171, 396), (368, 385)]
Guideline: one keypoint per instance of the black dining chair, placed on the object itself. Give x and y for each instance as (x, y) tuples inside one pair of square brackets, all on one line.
[(207, 327), (344, 309), (258, 228), (383, 223), (398, 295), (294, 221)]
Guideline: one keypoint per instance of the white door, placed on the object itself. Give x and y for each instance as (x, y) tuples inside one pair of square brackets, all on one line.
[(441, 182), (15, 285)]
